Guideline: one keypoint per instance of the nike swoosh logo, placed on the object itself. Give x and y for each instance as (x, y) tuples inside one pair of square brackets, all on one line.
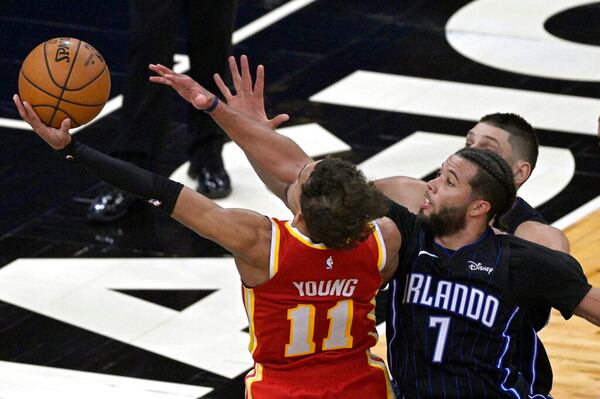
[(427, 253)]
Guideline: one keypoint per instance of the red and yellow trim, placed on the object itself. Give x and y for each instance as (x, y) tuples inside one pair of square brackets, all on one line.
[(302, 238), (371, 314), (376, 362), (275, 245), (249, 305), (381, 252), (253, 376)]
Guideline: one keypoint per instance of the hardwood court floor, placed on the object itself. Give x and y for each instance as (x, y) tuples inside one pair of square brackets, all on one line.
[(574, 345)]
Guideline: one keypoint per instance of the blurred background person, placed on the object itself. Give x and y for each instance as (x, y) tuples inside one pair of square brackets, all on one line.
[(145, 115)]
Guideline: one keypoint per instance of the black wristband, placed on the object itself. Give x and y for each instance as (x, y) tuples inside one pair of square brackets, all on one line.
[(212, 105), (67, 152)]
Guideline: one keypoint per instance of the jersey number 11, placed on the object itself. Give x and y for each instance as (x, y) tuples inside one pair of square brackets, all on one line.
[(302, 328)]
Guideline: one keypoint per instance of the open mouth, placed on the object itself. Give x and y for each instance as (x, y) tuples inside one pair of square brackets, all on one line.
[(426, 203)]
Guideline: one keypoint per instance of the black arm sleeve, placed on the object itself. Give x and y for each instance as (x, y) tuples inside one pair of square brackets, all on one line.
[(407, 225), (541, 275), (403, 218), (156, 190)]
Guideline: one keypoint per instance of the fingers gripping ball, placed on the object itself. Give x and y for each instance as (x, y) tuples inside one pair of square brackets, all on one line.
[(65, 78)]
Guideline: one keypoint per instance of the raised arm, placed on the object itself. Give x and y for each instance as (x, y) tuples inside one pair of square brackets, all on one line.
[(403, 190), (276, 158), (245, 233)]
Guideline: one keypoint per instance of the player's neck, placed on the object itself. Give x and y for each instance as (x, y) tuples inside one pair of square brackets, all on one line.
[(463, 237), (301, 227)]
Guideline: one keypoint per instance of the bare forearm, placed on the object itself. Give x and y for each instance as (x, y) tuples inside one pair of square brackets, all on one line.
[(276, 155), (403, 190), (589, 308), (274, 185)]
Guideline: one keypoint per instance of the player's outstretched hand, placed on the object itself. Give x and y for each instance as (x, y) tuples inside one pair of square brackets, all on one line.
[(249, 99), (185, 86), (56, 138)]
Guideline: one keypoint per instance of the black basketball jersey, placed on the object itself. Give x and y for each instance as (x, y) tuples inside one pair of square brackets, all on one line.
[(519, 213), (453, 317), (530, 350)]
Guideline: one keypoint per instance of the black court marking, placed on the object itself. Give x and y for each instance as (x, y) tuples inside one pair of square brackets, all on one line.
[(176, 299)]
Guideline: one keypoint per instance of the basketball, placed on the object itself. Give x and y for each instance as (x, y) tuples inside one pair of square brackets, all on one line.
[(65, 78)]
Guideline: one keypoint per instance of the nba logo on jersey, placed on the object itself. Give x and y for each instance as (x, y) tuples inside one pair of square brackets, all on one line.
[(329, 263)]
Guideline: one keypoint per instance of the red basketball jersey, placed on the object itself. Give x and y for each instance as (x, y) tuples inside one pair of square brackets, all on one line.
[(315, 318)]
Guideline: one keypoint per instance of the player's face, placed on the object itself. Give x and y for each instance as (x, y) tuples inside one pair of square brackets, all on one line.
[(448, 196), (484, 136), (295, 189)]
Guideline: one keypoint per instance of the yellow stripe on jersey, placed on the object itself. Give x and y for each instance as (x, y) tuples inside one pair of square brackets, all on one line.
[(249, 304), (302, 238), (375, 335), (258, 376), (382, 255), (275, 241), (371, 314), (378, 363)]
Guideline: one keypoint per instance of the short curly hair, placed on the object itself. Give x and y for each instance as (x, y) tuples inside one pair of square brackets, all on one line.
[(338, 204)]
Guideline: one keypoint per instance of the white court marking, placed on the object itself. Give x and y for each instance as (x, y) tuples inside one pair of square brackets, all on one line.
[(463, 101), (509, 35), (24, 381)]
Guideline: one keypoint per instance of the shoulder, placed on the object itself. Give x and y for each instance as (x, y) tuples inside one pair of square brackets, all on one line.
[(527, 253), (543, 234), (389, 231)]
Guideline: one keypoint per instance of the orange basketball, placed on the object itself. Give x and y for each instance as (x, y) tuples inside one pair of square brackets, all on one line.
[(65, 78)]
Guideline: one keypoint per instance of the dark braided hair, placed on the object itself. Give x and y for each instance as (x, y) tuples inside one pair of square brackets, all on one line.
[(493, 180), (338, 204)]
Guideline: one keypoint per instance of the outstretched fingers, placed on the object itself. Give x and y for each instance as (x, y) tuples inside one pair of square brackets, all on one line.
[(161, 70), (27, 113), (246, 77), (236, 78), (163, 75), (259, 84), (222, 87), (56, 138), (21, 108)]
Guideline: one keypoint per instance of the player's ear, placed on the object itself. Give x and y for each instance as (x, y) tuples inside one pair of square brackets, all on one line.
[(299, 219), (479, 208), (522, 172)]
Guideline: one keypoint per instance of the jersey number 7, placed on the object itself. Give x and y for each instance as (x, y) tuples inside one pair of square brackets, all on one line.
[(440, 342)]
